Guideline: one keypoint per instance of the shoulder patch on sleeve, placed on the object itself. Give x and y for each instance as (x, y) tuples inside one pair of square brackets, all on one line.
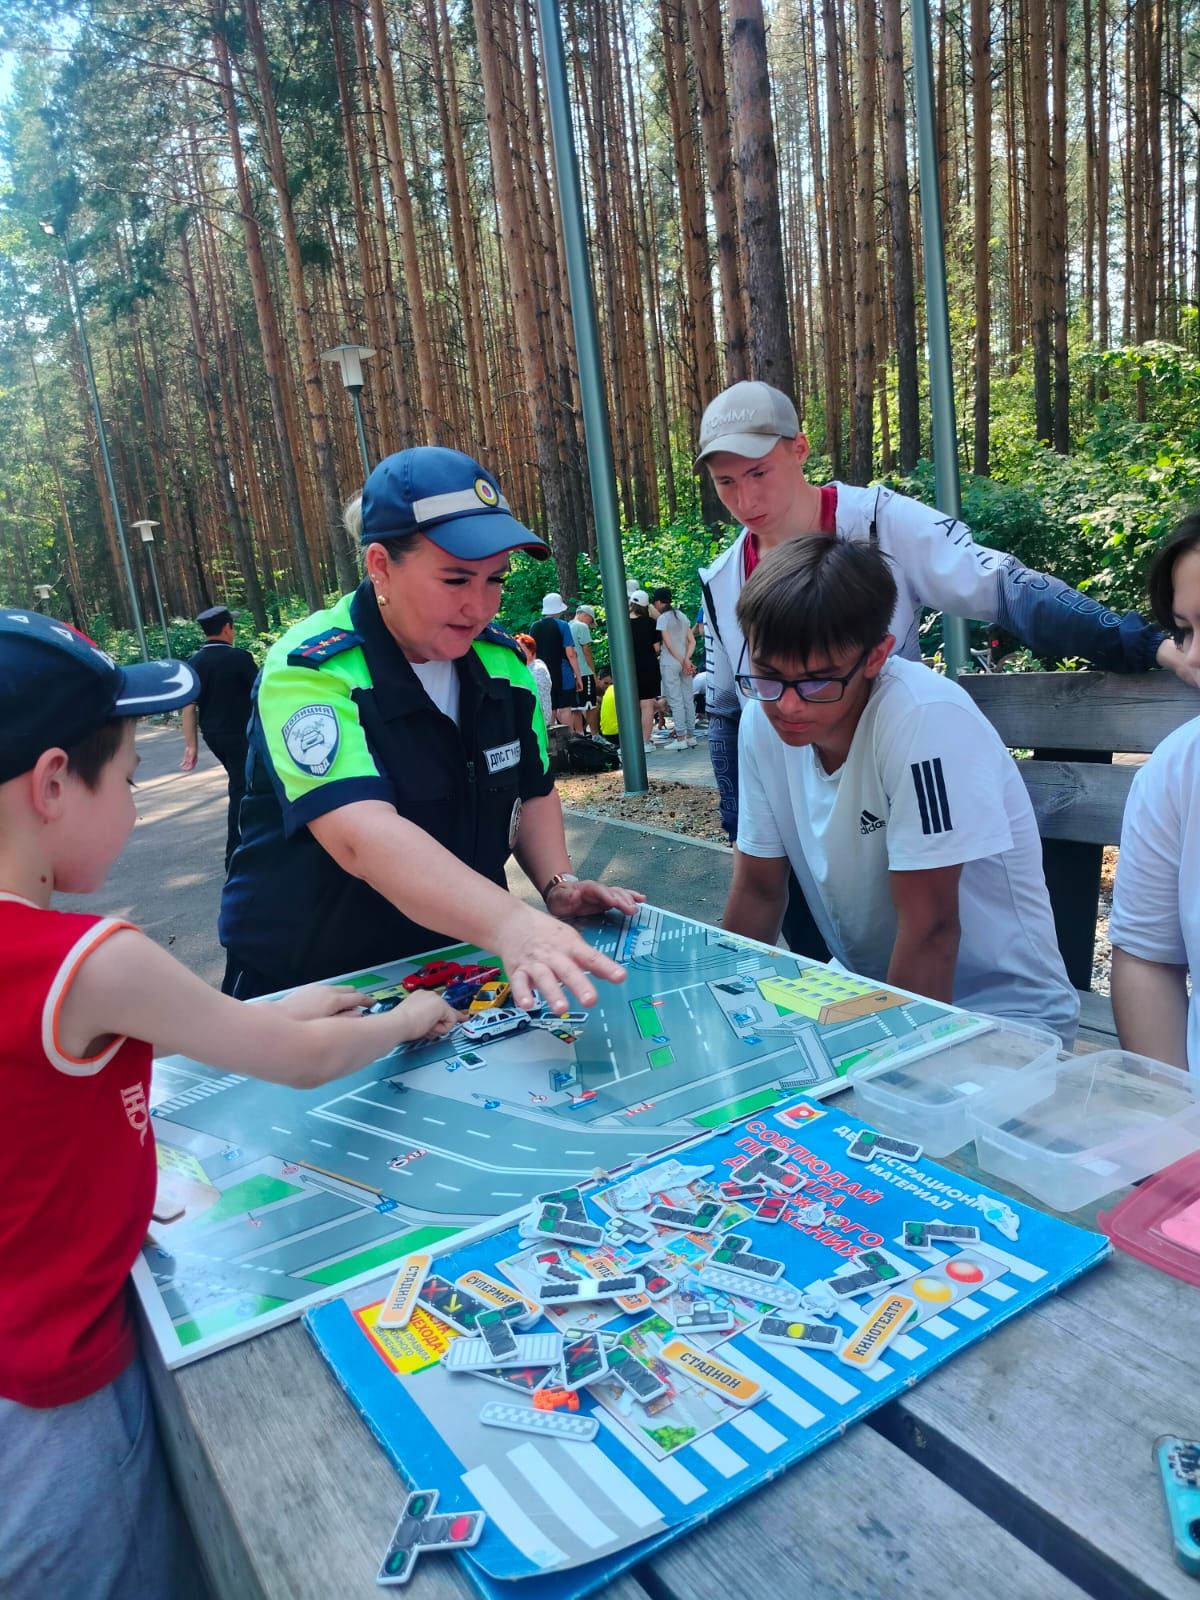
[(494, 635), (323, 647)]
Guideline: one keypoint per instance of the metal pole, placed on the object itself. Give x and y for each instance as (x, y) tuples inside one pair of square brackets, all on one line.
[(937, 315), (597, 437), (76, 312), (356, 396), (158, 600)]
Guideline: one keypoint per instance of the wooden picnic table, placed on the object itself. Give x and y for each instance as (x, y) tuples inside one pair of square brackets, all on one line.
[(1021, 1469)]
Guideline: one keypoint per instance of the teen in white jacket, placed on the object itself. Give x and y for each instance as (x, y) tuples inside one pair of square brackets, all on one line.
[(750, 441)]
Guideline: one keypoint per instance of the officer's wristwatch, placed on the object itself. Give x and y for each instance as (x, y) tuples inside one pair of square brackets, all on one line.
[(559, 877)]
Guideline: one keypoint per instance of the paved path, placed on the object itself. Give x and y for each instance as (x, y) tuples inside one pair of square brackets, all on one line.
[(683, 766), (169, 877)]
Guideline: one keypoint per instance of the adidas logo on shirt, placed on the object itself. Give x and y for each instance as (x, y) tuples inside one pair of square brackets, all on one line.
[(869, 822)]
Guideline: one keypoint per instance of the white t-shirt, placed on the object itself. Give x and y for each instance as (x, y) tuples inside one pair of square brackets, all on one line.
[(927, 783), (674, 625), (541, 677), (439, 679), (1156, 908)]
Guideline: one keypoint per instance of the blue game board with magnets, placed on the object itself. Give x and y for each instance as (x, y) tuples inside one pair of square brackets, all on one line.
[(566, 1518)]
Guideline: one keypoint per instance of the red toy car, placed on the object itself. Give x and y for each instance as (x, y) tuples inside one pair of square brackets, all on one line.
[(434, 975), (473, 973)]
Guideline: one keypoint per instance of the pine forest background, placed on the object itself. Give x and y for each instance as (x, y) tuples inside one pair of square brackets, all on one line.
[(235, 185)]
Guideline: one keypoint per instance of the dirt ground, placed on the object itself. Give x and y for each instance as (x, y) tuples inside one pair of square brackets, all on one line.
[(679, 807)]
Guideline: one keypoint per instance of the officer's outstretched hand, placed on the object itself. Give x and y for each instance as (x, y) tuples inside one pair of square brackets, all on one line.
[(587, 898), (540, 952)]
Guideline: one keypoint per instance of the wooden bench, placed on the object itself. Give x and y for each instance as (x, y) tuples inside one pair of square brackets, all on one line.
[(1074, 722)]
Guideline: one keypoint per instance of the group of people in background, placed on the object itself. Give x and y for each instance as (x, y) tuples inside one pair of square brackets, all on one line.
[(664, 643), (574, 693)]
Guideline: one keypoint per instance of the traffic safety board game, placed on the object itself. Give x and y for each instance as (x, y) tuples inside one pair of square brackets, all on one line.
[(633, 1354), (274, 1198)]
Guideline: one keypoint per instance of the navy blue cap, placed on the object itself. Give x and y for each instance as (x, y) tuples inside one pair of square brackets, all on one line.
[(219, 615), (448, 497), (56, 687)]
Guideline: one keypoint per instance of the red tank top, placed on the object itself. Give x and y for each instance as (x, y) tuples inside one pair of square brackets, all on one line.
[(77, 1171)]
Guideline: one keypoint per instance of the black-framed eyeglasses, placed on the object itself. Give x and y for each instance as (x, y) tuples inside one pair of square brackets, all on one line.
[(822, 691)]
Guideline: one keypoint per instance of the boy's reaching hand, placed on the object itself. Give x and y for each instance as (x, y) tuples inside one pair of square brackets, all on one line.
[(320, 1000), (424, 1016), (130, 986)]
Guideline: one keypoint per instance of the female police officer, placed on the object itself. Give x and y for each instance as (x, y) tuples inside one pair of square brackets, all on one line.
[(397, 757)]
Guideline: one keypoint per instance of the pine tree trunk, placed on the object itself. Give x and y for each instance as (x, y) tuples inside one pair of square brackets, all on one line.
[(565, 534), (862, 438), (762, 233), (1040, 205), (900, 234), (1089, 182), (981, 73), (470, 294), (375, 394), (707, 47), (242, 549), (701, 376), (393, 350), (265, 311), (1017, 299), (1103, 174), (841, 254), (1058, 230), (344, 557), (825, 228), (428, 422)]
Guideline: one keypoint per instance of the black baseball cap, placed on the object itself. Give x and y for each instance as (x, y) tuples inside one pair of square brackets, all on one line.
[(56, 687), (447, 496)]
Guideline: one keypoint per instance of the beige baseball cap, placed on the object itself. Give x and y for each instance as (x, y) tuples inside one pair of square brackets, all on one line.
[(747, 419)]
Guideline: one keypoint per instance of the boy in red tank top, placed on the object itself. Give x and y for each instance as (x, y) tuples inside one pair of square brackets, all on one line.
[(85, 1503)]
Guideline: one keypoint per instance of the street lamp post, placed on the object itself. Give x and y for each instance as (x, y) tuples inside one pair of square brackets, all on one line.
[(48, 227), (43, 591), (349, 359), (146, 528)]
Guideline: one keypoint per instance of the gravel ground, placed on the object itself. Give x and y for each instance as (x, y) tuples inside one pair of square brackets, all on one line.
[(1102, 961)]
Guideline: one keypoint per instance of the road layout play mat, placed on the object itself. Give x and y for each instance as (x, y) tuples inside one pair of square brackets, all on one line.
[(283, 1197), (634, 1354)]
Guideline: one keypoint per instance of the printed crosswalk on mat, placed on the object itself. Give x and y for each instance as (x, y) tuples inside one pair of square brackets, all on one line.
[(565, 1517)]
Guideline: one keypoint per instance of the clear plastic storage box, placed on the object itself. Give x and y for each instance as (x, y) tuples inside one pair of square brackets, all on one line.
[(1101, 1121), (929, 1098)]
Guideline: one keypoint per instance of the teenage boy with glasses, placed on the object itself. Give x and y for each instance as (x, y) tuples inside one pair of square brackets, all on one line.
[(888, 794)]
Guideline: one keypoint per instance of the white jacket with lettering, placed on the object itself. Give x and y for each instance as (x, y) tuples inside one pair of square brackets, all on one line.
[(936, 563)]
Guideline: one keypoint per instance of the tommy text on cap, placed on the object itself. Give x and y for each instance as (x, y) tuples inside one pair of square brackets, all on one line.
[(748, 419)]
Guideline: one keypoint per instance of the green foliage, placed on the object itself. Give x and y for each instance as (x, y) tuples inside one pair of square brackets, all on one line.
[(1095, 517), (187, 636)]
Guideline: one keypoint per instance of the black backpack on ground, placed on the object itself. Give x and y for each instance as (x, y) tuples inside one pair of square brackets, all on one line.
[(584, 755)]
